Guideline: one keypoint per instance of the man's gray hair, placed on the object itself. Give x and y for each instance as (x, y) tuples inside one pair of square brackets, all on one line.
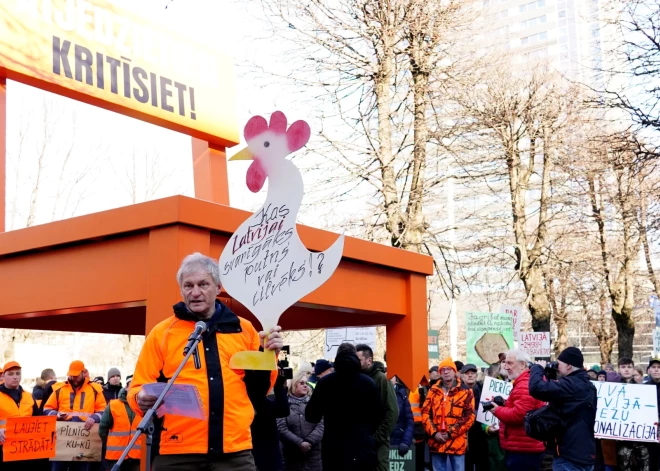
[(520, 355), (196, 262)]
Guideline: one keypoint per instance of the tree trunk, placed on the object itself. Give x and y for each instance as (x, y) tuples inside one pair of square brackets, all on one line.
[(415, 225)]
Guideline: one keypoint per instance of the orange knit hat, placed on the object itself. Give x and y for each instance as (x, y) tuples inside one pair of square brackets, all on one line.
[(447, 363)]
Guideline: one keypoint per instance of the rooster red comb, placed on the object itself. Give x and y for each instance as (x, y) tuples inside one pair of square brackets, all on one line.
[(297, 135)]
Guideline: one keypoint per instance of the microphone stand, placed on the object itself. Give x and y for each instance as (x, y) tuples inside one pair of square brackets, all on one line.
[(146, 425)]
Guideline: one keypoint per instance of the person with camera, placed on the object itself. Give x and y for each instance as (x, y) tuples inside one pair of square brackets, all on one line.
[(523, 453), (572, 399)]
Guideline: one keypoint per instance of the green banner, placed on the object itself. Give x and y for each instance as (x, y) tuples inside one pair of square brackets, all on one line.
[(487, 334), (434, 351), (402, 463)]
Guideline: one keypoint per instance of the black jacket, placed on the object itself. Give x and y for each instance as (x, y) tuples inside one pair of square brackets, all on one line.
[(111, 392), (350, 405), (576, 399), (265, 438), (47, 391)]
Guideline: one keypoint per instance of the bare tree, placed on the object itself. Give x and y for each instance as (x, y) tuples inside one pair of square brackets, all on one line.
[(518, 123)]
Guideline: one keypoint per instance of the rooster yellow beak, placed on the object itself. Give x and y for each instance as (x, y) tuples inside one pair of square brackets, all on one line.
[(244, 154)]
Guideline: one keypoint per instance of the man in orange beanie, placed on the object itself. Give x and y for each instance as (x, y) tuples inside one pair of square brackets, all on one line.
[(448, 414)]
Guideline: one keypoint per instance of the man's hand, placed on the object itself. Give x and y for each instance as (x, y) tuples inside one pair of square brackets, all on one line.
[(305, 447), (2, 436), (145, 401), (89, 423), (62, 416), (494, 429), (272, 340), (441, 437)]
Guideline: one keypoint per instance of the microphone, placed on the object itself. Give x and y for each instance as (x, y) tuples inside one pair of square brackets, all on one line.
[(200, 328)]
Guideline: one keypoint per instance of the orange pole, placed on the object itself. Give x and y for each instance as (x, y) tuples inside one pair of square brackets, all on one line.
[(3, 151), (167, 248), (407, 336), (210, 172)]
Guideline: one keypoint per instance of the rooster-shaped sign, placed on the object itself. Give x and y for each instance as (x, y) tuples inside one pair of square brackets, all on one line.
[(264, 265)]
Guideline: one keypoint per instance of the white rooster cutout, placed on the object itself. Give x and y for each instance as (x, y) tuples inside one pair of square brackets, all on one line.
[(265, 266)]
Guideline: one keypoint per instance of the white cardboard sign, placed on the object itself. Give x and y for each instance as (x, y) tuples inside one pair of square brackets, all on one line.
[(656, 341), (265, 265), (536, 344), (355, 335), (492, 387), (626, 412), (516, 313)]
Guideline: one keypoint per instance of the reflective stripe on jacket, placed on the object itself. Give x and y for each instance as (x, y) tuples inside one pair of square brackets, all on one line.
[(9, 408), (223, 392), (78, 404), (415, 405), (121, 432)]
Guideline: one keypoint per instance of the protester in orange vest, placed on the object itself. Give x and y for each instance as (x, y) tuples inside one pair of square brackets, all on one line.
[(14, 402), (222, 441), (117, 427), (76, 400)]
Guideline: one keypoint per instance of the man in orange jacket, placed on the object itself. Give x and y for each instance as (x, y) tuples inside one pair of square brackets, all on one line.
[(76, 400), (448, 414), (222, 441)]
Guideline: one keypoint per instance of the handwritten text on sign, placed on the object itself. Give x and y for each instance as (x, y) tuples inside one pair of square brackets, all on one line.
[(626, 412), (29, 438), (516, 313), (536, 344), (492, 387), (74, 443)]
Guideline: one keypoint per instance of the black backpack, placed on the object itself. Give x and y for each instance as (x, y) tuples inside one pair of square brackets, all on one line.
[(543, 424)]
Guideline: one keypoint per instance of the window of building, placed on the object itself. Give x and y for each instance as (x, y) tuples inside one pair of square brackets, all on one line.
[(531, 6), (533, 22), (534, 38)]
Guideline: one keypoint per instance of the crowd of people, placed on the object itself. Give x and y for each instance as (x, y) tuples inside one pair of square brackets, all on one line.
[(349, 415)]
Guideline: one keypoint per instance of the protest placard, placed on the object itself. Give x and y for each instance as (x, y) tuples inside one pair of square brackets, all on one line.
[(434, 350), (656, 341), (487, 335), (516, 314), (74, 443), (492, 387), (355, 335), (626, 412), (536, 344), (29, 438), (402, 463)]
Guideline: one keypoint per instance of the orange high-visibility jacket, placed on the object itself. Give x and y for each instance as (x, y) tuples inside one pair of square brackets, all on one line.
[(9, 408), (223, 391), (79, 404), (122, 432)]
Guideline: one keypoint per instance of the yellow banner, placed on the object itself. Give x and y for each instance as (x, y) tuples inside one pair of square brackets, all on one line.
[(97, 53)]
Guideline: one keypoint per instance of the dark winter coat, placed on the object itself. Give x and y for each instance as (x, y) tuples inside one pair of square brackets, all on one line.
[(405, 426), (350, 405), (47, 391), (389, 401), (111, 392), (294, 430), (265, 439), (575, 397)]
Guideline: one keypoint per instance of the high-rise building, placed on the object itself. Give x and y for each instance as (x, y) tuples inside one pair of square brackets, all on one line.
[(565, 33)]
